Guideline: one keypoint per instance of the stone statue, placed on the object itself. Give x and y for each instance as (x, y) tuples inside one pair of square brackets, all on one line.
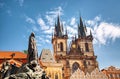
[(32, 50), (5, 71), (32, 69)]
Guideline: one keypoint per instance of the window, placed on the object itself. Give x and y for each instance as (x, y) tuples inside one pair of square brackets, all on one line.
[(50, 58), (117, 75), (61, 46), (56, 76), (75, 66), (58, 45), (79, 47), (46, 53), (111, 76), (88, 62), (43, 58), (86, 47)]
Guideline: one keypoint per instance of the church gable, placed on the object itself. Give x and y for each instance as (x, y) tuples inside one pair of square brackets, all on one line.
[(46, 56)]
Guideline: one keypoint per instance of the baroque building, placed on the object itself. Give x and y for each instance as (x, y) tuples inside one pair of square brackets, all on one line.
[(112, 72)]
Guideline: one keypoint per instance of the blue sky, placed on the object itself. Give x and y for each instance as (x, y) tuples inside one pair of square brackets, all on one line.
[(18, 18)]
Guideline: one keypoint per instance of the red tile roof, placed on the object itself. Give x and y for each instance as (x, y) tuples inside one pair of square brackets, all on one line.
[(12, 61), (15, 54)]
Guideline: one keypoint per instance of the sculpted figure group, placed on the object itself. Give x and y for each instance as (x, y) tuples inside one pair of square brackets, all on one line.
[(30, 70)]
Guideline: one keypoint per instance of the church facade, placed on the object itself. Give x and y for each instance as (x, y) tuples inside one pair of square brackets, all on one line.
[(79, 55)]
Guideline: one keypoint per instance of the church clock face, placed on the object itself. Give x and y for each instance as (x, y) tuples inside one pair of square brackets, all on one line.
[(73, 46)]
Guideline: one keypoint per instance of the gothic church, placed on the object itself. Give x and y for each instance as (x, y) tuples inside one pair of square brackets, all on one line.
[(67, 59)]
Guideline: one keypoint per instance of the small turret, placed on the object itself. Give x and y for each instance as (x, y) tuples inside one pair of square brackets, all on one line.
[(91, 34), (81, 29), (58, 31)]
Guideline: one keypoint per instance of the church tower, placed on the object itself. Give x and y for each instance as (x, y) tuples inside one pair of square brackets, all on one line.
[(59, 40), (84, 43)]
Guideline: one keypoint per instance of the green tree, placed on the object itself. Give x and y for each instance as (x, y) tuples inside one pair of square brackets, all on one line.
[(25, 51)]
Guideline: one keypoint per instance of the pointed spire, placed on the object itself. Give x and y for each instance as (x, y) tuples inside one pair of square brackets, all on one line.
[(85, 28), (79, 34), (58, 21), (81, 29), (55, 29), (59, 28), (62, 27), (90, 33), (52, 34), (81, 22), (66, 32), (75, 37)]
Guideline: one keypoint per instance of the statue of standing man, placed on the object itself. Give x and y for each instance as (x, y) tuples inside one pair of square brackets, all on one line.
[(32, 50)]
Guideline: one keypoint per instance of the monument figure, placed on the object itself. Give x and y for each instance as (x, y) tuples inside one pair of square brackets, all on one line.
[(32, 69), (32, 49)]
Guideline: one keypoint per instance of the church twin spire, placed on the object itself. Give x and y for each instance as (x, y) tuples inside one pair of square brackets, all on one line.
[(59, 31), (81, 29)]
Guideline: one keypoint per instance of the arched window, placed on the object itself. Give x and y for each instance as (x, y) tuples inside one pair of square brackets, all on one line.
[(61, 46), (56, 76), (67, 63), (86, 47), (75, 66), (88, 62)]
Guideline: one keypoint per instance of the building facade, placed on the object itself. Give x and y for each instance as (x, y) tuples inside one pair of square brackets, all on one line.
[(78, 55), (13, 57), (51, 67), (95, 74), (112, 72)]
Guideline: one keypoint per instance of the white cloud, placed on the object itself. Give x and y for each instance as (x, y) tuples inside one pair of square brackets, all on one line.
[(88, 31), (46, 25), (49, 31), (52, 15), (93, 22), (49, 36), (29, 20), (47, 41), (56, 11), (103, 32), (42, 24), (39, 45), (97, 18), (39, 38), (73, 21), (50, 19), (71, 30), (106, 31), (35, 29)]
